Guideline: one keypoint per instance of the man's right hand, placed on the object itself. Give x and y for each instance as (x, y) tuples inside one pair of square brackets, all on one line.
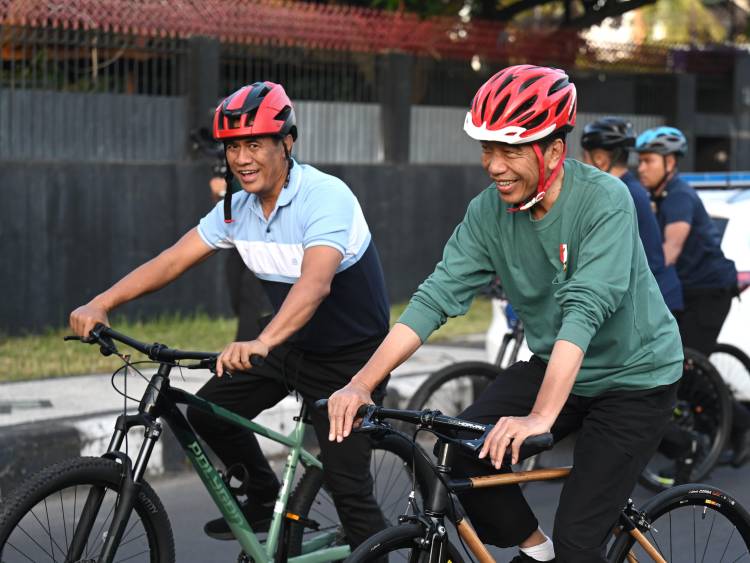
[(342, 408), (86, 317)]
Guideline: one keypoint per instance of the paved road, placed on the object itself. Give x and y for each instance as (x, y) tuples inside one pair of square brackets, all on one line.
[(189, 507)]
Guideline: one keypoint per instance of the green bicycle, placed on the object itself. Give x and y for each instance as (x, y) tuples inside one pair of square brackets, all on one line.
[(101, 510)]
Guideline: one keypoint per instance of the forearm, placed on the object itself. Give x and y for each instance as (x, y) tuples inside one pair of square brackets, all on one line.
[(300, 305), (397, 347), (562, 369), (672, 252), (148, 277)]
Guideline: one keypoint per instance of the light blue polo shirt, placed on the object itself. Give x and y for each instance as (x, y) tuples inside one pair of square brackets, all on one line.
[(314, 209)]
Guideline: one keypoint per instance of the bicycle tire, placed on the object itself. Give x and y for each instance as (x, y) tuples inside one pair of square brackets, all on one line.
[(735, 370), (50, 487), (701, 388), (396, 543), (477, 376), (391, 467), (720, 519)]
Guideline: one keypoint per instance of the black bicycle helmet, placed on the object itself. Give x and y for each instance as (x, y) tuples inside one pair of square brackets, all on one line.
[(608, 133)]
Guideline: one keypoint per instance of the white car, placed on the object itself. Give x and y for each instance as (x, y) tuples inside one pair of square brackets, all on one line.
[(730, 209)]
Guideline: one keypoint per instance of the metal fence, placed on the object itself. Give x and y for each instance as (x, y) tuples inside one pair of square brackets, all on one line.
[(86, 60), (437, 135)]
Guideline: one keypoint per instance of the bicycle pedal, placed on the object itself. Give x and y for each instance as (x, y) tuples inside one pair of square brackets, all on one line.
[(306, 522)]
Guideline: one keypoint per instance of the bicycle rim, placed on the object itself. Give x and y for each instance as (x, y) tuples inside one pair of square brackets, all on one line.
[(696, 523)]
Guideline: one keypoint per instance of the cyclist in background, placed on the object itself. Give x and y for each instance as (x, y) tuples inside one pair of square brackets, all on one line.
[(563, 238), (302, 232), (693, 244), (606, 144)]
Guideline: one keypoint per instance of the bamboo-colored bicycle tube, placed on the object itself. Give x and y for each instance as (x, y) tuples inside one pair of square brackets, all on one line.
[(519, 477), (475, 545), (646, 545)]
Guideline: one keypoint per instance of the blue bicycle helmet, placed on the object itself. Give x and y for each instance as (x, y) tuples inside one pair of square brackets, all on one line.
[(662, 140)]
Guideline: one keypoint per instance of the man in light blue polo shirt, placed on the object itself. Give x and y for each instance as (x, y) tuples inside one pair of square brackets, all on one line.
[(303, 234)]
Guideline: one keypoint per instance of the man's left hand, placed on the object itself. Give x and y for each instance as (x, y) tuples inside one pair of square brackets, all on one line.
[(510, 432), (236, 356)]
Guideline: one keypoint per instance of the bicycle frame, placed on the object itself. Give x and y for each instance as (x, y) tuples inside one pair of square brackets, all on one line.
[(436, 506), (160, 400)]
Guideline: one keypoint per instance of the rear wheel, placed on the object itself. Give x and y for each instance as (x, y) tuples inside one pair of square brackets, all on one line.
[(734, 366), (690, 523)]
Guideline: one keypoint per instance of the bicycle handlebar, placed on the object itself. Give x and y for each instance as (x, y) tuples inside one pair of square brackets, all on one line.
[(103, 335), (374, 417)]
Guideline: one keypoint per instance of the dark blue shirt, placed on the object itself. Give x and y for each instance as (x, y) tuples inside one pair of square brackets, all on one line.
[(701, 264), (648, 228)]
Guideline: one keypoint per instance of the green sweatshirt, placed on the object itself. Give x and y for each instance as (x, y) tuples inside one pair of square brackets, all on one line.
[(578, 274)]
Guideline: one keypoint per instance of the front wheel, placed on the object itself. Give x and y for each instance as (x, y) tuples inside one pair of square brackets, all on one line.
[(51, 512), (690, 523), (401, 544)]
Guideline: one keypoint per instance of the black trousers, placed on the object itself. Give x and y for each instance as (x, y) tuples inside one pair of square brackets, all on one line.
[(617, 434), (313, 377), (704, 314)]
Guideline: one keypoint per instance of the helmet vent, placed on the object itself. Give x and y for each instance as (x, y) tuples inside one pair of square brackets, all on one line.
[(263, 91), (508, 79), (529, 82), (524, 107), (500, 109), (558, 85), (283, 114), (561, 104), (538, 120)]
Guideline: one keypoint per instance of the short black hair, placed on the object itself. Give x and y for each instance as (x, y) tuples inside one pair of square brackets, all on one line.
[(549, 139)]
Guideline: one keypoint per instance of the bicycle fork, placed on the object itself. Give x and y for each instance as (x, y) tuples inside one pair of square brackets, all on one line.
[(130, 486)]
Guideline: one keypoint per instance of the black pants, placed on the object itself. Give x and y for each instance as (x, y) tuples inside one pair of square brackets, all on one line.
[(246, 295), (617, 434), (313, 376), (704, 314)]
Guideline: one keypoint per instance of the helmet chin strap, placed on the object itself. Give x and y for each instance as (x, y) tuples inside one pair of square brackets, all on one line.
[(543, 185), (668, 175)]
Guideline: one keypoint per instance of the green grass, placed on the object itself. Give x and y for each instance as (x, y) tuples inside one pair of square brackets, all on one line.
[(46, 355)]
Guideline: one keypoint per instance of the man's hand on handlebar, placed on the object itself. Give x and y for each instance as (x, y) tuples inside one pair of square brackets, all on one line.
[(342, 409), (510, 432), (236, 356), (86, 317)]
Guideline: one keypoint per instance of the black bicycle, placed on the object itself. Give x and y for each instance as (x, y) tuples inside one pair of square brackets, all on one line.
[(100, 510), (691, 522)]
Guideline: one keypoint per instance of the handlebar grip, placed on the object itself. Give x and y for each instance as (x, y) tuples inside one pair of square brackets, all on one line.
[(257, 360), (322, 405)]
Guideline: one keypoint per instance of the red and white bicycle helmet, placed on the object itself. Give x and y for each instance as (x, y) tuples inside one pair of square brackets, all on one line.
[(524, 104)]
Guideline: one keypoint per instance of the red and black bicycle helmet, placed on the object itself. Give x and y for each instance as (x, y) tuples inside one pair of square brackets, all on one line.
[(262, 108), (524, 104), (259, 109)]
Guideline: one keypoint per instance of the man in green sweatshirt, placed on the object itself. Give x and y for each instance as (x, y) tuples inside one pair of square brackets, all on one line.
[(563, 238)]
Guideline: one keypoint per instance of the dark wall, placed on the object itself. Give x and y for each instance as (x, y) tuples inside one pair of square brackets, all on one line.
[(69, 230)]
